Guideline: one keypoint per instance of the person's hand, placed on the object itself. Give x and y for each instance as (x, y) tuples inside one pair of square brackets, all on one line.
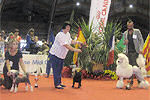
[(78, 50), (126, 42), (8, 73), (140, 52), (81, 43), (78, 42)]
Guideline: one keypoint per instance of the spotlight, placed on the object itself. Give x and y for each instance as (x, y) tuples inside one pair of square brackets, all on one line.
[(78, 4), (130, 6)]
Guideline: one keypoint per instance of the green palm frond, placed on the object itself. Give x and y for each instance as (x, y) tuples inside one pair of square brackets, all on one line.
[(98, 44)]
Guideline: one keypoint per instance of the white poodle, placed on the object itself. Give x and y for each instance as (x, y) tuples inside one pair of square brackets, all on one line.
[(125, 70), (141, 63)]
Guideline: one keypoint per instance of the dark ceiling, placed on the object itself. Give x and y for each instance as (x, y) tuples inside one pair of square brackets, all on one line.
[(40, 11)]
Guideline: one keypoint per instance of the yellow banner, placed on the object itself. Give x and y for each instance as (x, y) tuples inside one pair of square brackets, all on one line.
[(146, 53), (80, 38)]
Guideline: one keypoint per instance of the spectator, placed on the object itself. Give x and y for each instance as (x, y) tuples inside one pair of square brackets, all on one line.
[(18, 38), (30, 40), (36, 39), (45, 47), (10, 36), (4, 36), (16, 35), (36, 46), (1, 38)]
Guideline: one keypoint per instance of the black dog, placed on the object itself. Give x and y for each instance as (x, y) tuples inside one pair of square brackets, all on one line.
[(77, 78)]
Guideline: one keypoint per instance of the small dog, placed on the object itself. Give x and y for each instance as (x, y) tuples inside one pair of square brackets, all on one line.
[(77, 77), (16, 80)]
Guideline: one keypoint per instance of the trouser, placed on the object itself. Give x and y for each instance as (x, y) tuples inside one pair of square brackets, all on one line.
[(7, 80), (57, 65), (48, 65), (132, 56)]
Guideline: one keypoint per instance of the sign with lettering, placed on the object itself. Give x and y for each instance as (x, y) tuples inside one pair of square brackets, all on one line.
[(32, 63), (35, 63), (99, 14)]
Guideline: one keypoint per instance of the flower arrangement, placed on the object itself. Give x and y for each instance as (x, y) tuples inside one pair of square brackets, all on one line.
[(67, 72), (106, 74), (111, 74)]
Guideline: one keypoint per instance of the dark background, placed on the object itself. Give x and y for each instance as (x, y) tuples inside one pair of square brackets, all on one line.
[(24, 14)]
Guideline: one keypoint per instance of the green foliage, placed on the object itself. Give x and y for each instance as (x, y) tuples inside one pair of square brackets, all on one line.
[(69, 58), (98, 44)]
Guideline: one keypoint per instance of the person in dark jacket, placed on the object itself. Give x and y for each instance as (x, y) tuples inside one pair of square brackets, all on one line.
[(30, 40)]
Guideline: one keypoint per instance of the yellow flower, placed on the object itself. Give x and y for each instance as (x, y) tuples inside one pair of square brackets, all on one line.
[(113, 72), (109, 71), (106, 71), (112, 78)]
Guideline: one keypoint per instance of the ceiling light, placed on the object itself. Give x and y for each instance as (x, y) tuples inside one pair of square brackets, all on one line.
[(130, 6), (78, 3)]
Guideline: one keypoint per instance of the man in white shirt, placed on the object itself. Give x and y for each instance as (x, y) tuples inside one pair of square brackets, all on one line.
[(59, 51)]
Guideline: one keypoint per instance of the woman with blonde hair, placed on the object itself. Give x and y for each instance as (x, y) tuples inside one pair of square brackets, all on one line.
[(13, 58)]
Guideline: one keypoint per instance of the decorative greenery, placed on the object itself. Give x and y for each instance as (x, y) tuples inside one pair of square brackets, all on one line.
[(98, 44), (69, 59)]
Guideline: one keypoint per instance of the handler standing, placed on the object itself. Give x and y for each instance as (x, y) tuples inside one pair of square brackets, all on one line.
[(59, 51), (134, 45)]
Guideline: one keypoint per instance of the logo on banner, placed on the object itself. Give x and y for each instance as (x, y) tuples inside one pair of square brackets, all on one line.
[(35, 62), (99, 14)]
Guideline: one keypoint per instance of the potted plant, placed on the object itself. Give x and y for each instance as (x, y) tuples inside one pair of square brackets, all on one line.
[(96, 53)]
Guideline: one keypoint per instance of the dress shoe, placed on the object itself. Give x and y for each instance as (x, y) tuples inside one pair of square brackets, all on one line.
[(59, 87)]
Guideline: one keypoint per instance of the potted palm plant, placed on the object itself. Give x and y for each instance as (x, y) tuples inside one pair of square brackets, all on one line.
[(96, 53)]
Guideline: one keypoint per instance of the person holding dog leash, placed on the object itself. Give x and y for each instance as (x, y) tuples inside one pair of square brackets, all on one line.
[(58, 53), (13, 57), (134, 45)]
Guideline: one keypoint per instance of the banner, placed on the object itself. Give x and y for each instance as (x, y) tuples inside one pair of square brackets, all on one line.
[(99, 14), (111, 52), (32, 63), (80, 38), (35, 63), (121, 45), (146, 53)]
